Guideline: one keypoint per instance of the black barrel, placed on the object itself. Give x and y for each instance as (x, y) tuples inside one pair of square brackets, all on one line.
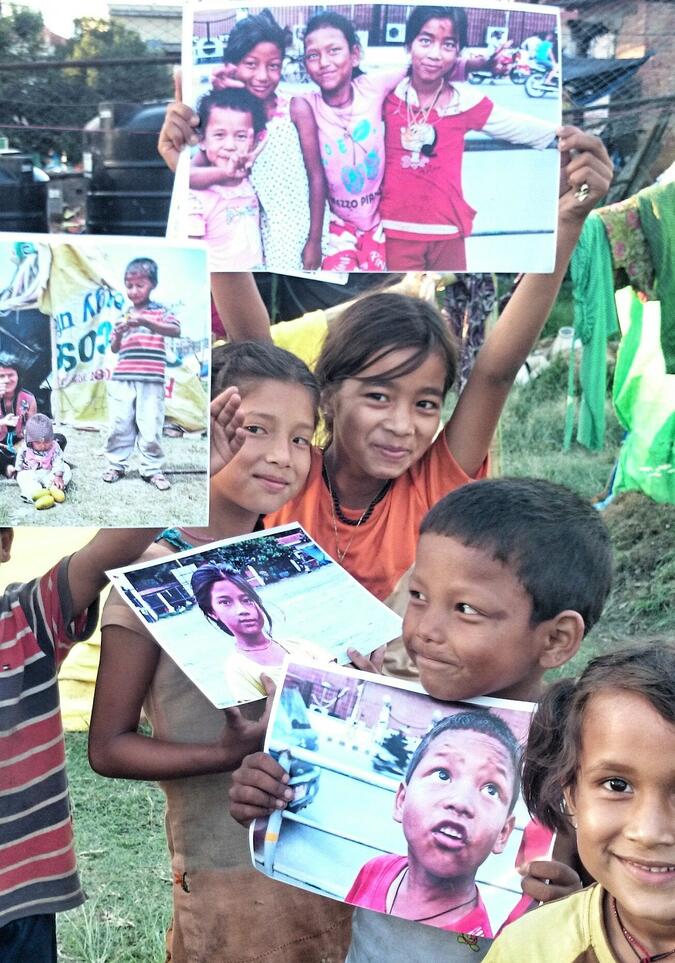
[(128, 183), (23, 198)]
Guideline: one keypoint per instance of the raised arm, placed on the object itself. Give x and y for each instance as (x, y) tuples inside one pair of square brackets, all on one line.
[(128, 663), (240, 307), (470, 429), (305, 123)]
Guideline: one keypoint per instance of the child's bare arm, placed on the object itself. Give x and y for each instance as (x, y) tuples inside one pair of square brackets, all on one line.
[(259, 787), (471, 427), (116, 336), (240, 307), (116, 748), (303, 118), (109, 548)]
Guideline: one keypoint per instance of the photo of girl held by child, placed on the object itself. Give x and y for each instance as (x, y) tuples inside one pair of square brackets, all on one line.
[(386, 140), (408, 806), (601, 759), (264, 597)]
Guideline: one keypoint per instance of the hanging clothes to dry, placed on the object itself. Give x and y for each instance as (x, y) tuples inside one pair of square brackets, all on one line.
[(644, 400), (657, 216), (595, 321)]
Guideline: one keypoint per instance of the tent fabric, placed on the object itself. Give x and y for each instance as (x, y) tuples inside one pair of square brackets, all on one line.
[(644, 399), (657, 215)]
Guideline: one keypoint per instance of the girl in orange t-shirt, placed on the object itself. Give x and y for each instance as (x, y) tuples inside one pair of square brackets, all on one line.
[(385, 367)]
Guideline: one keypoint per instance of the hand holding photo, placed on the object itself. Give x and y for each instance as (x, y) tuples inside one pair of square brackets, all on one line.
[(228, 611), (400, 803)]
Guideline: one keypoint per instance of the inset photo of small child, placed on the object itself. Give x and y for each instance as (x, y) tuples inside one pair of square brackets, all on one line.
[(104, 382), (402, 804)]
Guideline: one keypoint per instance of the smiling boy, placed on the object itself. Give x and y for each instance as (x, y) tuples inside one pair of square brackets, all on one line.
[(456, 807), (226, 214), (510, 574)]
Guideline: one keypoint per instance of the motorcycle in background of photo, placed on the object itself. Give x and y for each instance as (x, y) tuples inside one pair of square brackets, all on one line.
[(536, 84)]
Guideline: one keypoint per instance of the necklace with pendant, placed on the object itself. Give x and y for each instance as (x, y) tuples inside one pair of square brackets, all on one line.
[(640, 952), (355, 523), (424, 919), (419, 134)]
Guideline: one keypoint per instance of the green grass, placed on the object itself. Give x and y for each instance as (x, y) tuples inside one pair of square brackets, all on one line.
[(532, 432), (124, 865)]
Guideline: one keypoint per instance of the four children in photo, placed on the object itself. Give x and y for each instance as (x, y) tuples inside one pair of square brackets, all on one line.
[(383, 149), (508, 575)]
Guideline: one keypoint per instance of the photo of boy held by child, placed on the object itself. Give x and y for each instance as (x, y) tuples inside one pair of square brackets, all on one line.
[(403, 804), (229, 611), (396, 153), (104, 372)]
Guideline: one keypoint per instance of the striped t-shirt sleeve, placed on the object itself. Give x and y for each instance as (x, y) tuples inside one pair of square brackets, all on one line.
[(37, 859)]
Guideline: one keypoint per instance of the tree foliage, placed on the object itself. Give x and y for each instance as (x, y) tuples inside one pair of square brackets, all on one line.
[(46, 108)]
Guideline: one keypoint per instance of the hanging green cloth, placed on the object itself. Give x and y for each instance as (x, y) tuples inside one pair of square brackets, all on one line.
[(644, 399), (594, 322), (657, 216)]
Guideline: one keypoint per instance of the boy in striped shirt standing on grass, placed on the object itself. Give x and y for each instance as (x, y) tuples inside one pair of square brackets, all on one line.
[(39, 622), (136, 390)]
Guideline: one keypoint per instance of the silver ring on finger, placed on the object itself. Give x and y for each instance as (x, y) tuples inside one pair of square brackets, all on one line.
[(582, 193)]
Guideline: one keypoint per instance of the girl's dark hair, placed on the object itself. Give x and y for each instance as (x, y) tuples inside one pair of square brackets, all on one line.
[(555, 740), (232, 98), (331, 19), (248, 362), (249, 32), (206, 576), (375, 326), (335, 20), (145, 266), (421, 15), (19, 357)]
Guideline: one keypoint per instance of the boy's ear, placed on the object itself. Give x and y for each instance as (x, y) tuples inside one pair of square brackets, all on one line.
[(399, 803), (6, 539), (504, 833), (562, 638)]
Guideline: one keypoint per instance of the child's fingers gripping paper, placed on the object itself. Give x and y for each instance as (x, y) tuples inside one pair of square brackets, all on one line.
[(259, 787), (547, 879)]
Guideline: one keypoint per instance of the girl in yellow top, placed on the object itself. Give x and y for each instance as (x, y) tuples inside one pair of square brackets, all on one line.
[(601, 757)]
